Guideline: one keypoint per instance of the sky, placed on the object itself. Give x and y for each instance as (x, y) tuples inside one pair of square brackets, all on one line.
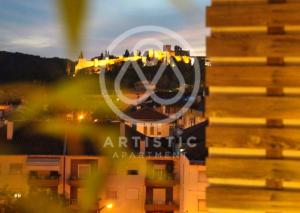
[(34, 26)]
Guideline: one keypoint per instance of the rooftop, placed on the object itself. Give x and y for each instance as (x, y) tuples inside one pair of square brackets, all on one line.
[(146, 114)]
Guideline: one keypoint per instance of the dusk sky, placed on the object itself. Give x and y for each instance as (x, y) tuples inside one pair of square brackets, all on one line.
[(33, 26)]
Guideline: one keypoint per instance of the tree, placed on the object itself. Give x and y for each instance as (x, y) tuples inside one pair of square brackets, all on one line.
[(126, 54)]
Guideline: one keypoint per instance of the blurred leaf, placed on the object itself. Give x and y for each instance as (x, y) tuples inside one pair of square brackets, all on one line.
[(73, 16), (41, 203)]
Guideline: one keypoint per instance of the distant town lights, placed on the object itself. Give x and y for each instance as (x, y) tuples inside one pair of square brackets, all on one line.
[(80, 117), (17, 195)]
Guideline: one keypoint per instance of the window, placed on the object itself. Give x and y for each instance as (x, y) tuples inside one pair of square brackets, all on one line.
[(54, 175), (159, 128), (132, 172), (159, 170), (111, 194), (145, 129), (192, 121), (168, 110), (15, 169), (83, 170), (151, 130), (142, 146), (33, 174), (159, 196)]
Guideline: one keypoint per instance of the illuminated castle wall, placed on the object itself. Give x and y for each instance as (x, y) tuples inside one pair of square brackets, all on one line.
[(164, 55)]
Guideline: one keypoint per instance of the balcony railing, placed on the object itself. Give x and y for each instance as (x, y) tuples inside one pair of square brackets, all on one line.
[(164, 207), (50, 181), (74, 204), (166, 180), (75, 181)]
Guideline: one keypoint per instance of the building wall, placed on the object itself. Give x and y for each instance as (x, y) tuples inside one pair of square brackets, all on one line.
[(193, 184), (190, 118), (157, 54), (19, 182), (71, 172), (16, 182), (123, 187), (159, 130), (129, 189)]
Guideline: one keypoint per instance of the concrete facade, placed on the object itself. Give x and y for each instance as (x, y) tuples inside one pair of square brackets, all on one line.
[(135, 185)]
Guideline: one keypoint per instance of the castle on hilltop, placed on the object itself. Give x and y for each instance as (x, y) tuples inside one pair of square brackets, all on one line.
[(149, 58)]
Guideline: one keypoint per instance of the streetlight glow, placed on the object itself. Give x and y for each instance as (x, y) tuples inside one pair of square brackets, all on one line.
[(109, 206)]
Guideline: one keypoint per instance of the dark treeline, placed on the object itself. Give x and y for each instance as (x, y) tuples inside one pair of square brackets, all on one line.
[(16, 67)]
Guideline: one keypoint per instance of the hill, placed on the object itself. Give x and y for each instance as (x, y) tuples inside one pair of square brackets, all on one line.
[(16, 67)]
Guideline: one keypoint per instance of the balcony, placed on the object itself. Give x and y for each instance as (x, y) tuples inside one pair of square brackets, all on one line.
[(161, 174), (51, 181), (161, 181), (43, 179), (73, 202), (167, 207), (75, 181)]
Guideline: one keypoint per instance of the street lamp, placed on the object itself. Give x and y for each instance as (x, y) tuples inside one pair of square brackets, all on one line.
[(109, 206)]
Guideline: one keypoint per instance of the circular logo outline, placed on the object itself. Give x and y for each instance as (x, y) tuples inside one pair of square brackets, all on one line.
[(113, 46)]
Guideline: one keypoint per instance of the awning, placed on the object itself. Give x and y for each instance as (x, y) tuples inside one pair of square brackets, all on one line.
[(41, 164)]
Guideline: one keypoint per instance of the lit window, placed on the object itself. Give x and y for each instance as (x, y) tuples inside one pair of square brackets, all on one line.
[(192, 121), (159, 170), (15, 169), (159, 128), (145, 129), (111, 195), (152, 130)]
